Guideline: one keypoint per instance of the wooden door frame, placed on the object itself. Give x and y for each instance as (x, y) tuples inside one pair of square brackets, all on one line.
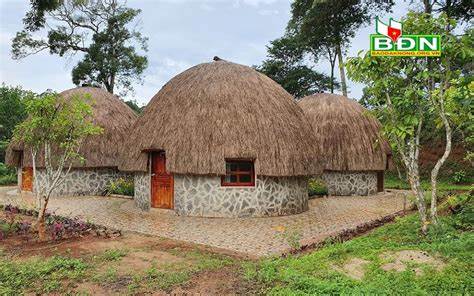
[(152, 155)]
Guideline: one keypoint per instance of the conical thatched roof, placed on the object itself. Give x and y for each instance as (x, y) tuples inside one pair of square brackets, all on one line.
[(220, 110), (110, 113), (346, 134)]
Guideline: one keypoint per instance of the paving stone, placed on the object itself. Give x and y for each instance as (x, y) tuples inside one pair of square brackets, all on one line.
[(251, 236)]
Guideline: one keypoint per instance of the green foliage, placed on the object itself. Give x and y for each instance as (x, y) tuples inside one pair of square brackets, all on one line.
[(292, 236), (315, 273), (316, 186), (133, 104), (460, 177), (113, 254), (324, 28), (408, 82), (393, 182), (102, 30), (284, 65), (462, 207), (42, 275), (12, 112), (110, 58), (122, 187), (55, 122), (7, 175)]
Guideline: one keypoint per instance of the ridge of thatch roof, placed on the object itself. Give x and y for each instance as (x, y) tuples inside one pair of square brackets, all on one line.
[(110, 113), (346, 133), (222, 110)]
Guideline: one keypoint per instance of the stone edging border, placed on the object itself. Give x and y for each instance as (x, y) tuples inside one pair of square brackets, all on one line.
[(347, 234)]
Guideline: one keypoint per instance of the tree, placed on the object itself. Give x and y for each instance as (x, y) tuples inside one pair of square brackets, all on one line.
[(55, 128), (12, 112), (327, 26), (133, 104), (405, 92), (284, 65), (100, 29)]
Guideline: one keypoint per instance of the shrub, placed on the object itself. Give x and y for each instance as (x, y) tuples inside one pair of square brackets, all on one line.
[(460, 177), (121, 187), (317, 186), (7, 175), (462, 209)]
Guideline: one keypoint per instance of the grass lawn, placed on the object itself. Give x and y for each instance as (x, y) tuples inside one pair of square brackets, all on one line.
[(365, 265), (393, 182), (129, 265)]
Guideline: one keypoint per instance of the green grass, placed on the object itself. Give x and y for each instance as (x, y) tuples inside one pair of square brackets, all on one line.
[(314, 273), (113, 254), (169, 275), (57, 274), (38, 274), (393, 182)]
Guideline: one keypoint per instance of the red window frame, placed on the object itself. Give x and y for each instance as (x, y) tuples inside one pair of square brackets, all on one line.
[(239, 173)]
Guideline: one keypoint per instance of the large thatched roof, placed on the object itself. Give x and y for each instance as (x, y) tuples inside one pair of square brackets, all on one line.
[(110, 113), (220, 110), (346, 134)]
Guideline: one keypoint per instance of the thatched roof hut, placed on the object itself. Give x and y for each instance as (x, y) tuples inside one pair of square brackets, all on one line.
[(220, 110), (346, 133), (110, 113)]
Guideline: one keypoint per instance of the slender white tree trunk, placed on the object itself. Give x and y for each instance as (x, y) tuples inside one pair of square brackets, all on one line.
[(440, 162), (341, 69)]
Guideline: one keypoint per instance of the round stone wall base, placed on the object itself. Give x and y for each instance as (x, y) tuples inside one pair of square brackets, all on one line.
[(85, 181), (204, 196), (350, 183)]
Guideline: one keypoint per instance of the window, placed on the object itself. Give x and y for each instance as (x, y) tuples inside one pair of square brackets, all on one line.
[(238, 173)]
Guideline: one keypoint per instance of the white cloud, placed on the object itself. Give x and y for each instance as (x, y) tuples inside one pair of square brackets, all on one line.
[(266, 12)]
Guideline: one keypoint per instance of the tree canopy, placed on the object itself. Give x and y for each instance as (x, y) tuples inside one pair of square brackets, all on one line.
[(99, 29), (406, 93), (284, 64)]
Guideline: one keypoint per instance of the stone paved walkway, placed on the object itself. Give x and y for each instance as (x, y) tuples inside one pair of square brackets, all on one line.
[(254, 237)]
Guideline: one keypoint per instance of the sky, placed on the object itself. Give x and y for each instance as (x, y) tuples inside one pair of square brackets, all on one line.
[(182, 33)]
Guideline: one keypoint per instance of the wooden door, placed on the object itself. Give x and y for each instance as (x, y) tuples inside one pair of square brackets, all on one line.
[(162, 183), (380, 180), (27, 179)]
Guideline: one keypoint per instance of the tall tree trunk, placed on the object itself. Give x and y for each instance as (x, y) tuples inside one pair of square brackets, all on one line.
[(341, 69), (331, 83), (440, 162), (420, 200)]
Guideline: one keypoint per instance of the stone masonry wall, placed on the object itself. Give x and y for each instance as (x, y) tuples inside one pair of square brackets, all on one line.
[(142, 190), (350, 183), (204, 196), (84, 181)]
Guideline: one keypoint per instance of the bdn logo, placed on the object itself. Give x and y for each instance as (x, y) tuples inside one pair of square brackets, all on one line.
[(390, 41)]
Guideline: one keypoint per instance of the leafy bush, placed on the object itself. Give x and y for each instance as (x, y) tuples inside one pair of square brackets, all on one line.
[(462, 209), (460, 177), (317, 186), (7, 175), (121, 187)]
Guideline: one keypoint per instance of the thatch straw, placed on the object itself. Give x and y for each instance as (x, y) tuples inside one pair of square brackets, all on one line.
[(346, 133), (220, 110), (110, 113)]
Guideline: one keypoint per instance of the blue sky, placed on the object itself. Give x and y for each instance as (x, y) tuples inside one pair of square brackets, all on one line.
[(181, 33)]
